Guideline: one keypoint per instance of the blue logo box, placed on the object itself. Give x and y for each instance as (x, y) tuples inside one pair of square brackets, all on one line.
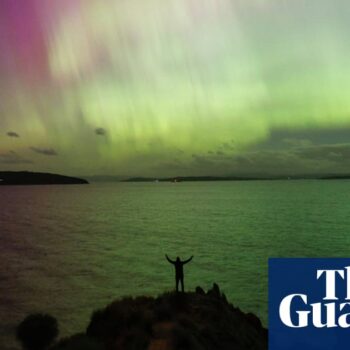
[(309, 304)]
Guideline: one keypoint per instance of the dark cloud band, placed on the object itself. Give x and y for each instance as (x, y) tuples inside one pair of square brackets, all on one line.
[(12, 134), (100, 131), (12, 157), (44, 151)]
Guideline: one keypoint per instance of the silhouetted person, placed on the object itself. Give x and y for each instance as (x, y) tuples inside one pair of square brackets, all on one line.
[(179, 271)]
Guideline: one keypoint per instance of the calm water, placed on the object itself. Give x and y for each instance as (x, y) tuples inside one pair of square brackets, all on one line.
[(68, 250)]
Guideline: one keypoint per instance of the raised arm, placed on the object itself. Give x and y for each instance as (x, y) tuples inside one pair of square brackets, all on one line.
[(171, 262), (188, 260)]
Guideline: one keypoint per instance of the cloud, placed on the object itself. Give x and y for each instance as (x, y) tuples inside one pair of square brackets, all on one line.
[(100, 131), (12, 134), (12, 157), (303, 158), (203, 161), (44, 151), (172, 167), (287, 139), (297, 143), (337, 153)]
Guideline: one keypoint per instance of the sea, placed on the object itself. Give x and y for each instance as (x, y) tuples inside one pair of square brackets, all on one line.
[(68, 250)]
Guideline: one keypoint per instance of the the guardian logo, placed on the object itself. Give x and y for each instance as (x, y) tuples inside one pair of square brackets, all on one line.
[(309, 304), (321, 310)]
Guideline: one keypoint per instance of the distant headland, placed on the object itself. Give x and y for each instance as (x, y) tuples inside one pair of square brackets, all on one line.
[(235, 178), (192, 178), (8, 178)]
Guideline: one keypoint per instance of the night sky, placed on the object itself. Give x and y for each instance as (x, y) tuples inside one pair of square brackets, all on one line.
[(175, 87)]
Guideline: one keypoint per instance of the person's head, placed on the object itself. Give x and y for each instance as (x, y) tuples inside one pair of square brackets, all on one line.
[(177, 258)]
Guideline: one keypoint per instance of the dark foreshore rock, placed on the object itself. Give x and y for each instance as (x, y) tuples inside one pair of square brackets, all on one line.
[(31, 178), (193, 320), (37, 331)]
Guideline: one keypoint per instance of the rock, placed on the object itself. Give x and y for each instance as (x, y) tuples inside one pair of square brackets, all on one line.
[(177, 321), (37, 331), (171, 321), (200, 290), (215, 291)]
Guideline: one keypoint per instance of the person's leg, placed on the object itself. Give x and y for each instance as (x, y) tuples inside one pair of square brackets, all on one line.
[(182, 284), (177, 283)]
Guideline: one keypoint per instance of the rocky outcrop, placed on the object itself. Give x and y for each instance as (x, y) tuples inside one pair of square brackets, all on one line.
[(195, 320)]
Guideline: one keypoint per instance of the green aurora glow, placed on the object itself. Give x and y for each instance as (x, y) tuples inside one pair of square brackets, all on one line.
[(175, 87)]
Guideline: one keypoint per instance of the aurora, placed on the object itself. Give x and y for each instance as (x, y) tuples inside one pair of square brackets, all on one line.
[(175, 87)]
